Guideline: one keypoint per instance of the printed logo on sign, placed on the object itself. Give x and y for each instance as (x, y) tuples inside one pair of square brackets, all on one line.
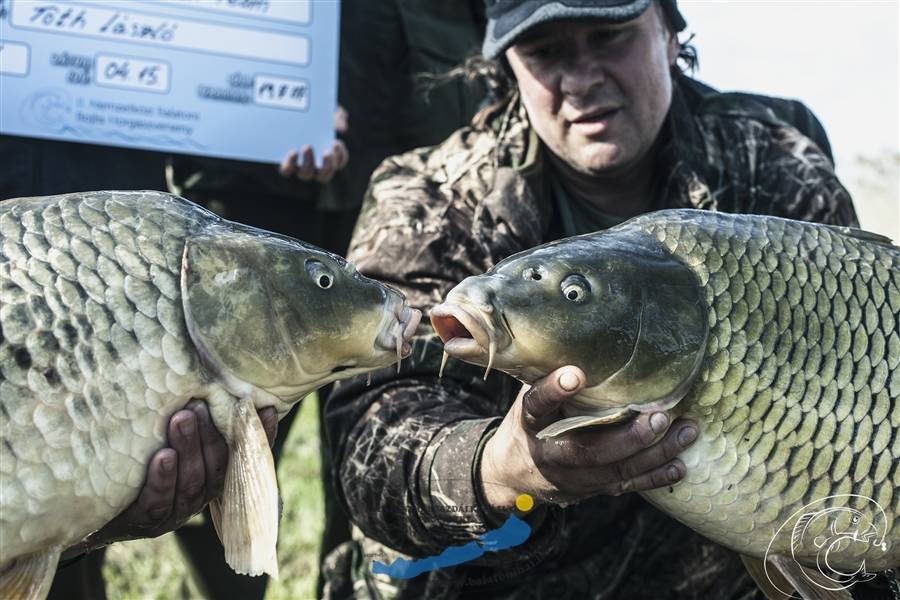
[(836, 533)]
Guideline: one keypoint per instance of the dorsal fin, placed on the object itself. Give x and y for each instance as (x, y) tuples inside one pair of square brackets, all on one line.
[(861, 234)]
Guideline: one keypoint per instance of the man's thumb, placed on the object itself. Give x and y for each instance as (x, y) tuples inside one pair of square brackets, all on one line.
[(541, 404)]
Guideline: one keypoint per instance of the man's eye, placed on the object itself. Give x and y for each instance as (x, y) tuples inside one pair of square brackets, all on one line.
[(543, 53), (611, 36)]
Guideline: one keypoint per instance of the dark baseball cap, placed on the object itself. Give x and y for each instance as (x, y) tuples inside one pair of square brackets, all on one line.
[(508, 19)]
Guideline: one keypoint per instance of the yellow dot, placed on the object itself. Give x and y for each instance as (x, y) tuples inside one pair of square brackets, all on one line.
[(524, 502)]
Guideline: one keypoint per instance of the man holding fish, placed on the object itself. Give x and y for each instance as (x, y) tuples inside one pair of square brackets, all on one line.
[(594, 124)]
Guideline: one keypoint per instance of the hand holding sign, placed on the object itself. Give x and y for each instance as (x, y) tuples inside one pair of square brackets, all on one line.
[(302, 164)]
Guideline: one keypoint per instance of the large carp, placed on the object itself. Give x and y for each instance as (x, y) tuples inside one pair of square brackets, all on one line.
[(780, 338), (116, 308)]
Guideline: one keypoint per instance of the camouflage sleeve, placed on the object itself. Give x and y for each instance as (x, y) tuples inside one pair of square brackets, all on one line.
[(797, 181), (406, 447), (405, 452)]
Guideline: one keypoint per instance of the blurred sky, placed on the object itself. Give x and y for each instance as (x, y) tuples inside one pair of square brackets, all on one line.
[(841, 58)]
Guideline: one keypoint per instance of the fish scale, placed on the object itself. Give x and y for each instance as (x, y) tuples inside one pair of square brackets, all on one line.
[(116, 308), (778, 337), (77, 300), (820, 395)]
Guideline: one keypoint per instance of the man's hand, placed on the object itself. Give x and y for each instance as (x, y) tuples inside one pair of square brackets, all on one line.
[(181, 478), (302, 165), (614, 459)]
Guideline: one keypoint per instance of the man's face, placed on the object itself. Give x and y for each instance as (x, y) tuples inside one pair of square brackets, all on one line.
[(597, 94)]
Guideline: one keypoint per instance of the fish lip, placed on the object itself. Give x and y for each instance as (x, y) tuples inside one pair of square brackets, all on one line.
[(476, 323), (401, 320), (409, 319)]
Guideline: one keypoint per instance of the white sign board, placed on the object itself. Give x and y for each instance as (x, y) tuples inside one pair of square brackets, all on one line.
[(242, 79)]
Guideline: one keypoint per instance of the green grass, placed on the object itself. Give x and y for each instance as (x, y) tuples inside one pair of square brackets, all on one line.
[(155, 569)]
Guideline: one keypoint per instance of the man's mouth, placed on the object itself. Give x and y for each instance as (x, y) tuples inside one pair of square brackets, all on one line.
[(594, 116), (595, 122)]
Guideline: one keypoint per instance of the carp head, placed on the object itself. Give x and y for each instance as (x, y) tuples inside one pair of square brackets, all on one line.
[(270, 313), (613, 304)]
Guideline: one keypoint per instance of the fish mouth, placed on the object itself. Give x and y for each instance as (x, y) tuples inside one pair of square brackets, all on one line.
[(467, 333), (398, 330)]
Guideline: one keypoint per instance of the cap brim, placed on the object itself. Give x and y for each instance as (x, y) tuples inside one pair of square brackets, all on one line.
[(498, 38)]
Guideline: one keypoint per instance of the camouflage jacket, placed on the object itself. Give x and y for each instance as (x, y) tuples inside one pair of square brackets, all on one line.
[(406, 447)]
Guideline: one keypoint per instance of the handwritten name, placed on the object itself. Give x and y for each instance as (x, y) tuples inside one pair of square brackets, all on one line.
[(118, 24), (124, 25)]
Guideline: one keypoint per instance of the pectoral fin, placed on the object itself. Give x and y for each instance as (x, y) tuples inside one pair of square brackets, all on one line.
[(809, 583), (29, 577), (601, 418), (246, 516)]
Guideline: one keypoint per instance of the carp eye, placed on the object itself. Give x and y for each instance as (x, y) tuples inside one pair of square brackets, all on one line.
[(532, 274), (575, 288), (320, 274)]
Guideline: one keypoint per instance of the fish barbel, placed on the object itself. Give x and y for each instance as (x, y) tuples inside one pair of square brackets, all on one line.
[(116, 308), (780, 338)]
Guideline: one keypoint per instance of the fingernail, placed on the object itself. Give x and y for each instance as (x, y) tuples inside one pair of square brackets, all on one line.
[(168, 463), (687, 435), (186, 426), (672, 473), (659, 422), (568, 381)]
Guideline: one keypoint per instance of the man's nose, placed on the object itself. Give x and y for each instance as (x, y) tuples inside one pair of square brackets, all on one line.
[(581, 74)]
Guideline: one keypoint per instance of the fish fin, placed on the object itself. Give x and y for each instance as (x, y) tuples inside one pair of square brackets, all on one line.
[(563, 425), (215, 514), (29, 577), (860, 234), (809, 582), (773, 584), (246, 516)]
